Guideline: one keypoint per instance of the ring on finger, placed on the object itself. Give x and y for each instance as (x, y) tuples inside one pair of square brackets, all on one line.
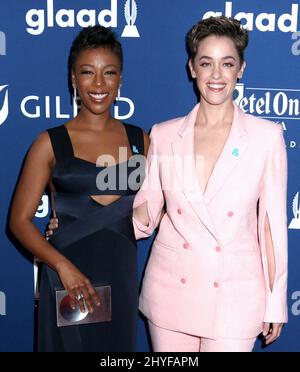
[(79, 297)]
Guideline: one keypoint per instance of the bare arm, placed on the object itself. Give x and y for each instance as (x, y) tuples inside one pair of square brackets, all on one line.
[(270, 253), (271, 331), (34, 178), (274, 238)]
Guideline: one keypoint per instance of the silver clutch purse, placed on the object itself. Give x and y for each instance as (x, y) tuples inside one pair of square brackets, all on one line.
[(66, 316)]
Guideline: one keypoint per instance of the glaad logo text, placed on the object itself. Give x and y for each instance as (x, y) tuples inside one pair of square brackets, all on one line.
[(287, 22), (4, 107), (296, 304), (296, 44), (2, 44), (2, 304), (38, 19)]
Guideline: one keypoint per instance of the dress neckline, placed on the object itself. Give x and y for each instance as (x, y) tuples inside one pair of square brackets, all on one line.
[(101, 167), (89, 161)]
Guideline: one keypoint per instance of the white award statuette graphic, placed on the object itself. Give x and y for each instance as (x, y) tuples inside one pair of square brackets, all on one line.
[(130, 29), (295, 224), (4, 108)]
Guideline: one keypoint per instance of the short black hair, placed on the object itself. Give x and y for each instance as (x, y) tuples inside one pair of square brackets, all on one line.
[(217, 26), (95, 37)]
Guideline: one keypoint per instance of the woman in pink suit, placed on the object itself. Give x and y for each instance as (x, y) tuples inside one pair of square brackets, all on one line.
[(217, 273)]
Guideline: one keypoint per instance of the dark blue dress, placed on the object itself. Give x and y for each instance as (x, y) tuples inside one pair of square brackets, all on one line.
[(99, 240)]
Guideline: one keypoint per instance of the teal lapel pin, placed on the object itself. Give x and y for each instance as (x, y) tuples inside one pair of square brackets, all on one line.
[(236, 152)]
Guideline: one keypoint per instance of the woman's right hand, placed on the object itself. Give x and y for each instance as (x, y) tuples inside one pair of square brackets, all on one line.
[(78, 286), (52, 226)]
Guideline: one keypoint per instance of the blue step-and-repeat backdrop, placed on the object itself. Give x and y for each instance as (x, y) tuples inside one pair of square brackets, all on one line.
[(35, 37)]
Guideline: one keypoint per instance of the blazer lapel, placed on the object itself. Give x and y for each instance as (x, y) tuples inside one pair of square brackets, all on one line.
[(185, 167), (231, 155)]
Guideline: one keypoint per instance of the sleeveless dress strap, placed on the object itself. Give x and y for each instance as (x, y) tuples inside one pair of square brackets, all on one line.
[(136, 139), (61, 143)]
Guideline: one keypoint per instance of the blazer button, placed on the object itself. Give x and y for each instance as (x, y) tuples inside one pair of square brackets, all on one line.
[(216, 284), (218, 249), (183, 281), (186, 246), (230, 214), (179, 211)]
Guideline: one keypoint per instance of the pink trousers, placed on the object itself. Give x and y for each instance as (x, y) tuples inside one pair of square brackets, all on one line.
[(164, 340)]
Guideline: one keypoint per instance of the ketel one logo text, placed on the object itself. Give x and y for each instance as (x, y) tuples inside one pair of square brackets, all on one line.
[(270, 103)]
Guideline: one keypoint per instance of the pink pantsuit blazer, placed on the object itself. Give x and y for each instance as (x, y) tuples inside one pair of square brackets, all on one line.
[(207, 274)]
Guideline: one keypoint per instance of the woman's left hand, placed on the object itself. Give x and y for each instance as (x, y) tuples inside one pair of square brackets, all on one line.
[(271, 331)]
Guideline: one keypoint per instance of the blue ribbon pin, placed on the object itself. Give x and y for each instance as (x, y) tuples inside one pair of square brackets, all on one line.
[(236, 152), (135, 149)]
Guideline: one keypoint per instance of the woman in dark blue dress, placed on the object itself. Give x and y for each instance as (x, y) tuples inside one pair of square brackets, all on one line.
[(93, 166)]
